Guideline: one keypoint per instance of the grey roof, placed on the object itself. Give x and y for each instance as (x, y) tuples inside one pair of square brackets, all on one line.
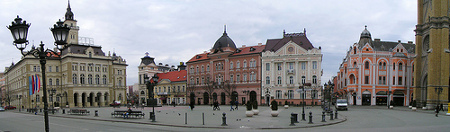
[(298, 38), (80, 49), (223, 42), (388, 46)]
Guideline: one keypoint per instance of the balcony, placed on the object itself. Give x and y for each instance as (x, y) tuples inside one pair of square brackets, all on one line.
[(290, 71)]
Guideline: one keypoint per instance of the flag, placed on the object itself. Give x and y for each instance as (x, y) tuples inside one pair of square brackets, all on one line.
[(31, 85), (38, 83), (32, 82)]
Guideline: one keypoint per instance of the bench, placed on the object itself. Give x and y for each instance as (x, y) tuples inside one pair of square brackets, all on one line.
[(121, 113), (78, 112)]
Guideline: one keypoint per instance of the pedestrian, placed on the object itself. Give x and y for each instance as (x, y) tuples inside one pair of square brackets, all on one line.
[(127, 113), (192, 105), (231, 106), (237, 104), (442, 107), (437, 110)]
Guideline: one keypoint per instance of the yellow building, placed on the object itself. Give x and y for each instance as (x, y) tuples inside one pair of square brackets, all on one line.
[(432, 61), (171, 87), (80, 74)]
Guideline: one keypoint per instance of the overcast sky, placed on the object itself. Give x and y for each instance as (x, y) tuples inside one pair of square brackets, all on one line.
[(174, 31)]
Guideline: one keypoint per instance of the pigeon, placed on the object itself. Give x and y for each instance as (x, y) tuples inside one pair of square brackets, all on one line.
[(179, 114), (214, 114)]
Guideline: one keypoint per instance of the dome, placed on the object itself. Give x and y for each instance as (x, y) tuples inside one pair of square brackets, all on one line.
[(223, 42), (365, 33)]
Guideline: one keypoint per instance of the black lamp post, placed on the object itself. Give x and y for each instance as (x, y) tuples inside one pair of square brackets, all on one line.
[(439, 91), (303, 101), (150, 86), (20, 106), (19, 31)]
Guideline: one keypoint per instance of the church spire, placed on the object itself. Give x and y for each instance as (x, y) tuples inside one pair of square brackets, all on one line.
[(69, 13)]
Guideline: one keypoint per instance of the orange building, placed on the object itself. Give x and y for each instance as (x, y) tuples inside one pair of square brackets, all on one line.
[(376, 72), (225, 74)]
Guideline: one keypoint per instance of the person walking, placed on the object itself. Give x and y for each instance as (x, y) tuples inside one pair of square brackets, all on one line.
[(442, 107), (231, 106), (437, 110), (192, 105), (237, 104)]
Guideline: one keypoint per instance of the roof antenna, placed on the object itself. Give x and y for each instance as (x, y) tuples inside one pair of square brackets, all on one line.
[(304, 31), (225, 28)]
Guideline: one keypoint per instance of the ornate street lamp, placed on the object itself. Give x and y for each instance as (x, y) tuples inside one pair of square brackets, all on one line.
[(19, 31), (151, 101)]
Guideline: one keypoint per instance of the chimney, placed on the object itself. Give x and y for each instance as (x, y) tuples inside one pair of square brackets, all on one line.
[(259, 44), (410, 42), (243, 46), (377, 40), (399, 41)]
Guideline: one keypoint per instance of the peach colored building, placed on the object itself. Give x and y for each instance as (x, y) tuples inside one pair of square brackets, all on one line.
[(225, 66), (374, 72)]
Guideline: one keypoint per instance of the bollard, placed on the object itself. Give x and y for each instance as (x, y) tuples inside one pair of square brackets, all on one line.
[(295, 115), (40, 110), (303, 116), (64, 111), (203, 117), (310, 118), (185, 118), (336, 115), (331, 115), (96, 112), (152, 116), (323, 116), (224, 119), (292, 120)]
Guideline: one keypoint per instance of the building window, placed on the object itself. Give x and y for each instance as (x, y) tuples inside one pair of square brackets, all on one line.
[(267, 80), (279, 80), (303, 65), (384, 65), (57, 68), (49, 68), (267, 66), (400, 67), (291, 80), (366, 79), (196, 69), (314, 64), (97, 79), (393, 66), (279, 66), (380, 80), (74, 78), (231, 78), (245, 64), (279, 94), (400, 79), (104, 79), (238, 65), (207, 68), (244, 77), (50, 81), (89, 79), (203, 69), (231, 65), (290, 94), (291, 65), (314, 79), (238, 78), (303, 79), (393, 81), (366, 65), (82, 79), (57, 82)]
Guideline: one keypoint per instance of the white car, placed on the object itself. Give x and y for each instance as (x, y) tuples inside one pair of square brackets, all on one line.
[(341, 104), (2, 109)]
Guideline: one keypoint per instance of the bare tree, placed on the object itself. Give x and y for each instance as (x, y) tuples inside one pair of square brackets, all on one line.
[(228, 88), (210, 87), (190, 88)]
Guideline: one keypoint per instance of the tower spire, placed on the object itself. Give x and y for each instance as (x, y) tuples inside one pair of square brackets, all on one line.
[(69, 13)]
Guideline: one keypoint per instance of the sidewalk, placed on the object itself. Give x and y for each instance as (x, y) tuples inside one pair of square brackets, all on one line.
[(403, 108), (176, 117)]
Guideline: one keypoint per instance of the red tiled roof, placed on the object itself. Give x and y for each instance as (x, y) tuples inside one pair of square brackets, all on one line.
[(51, 54), (173, 76), (239, 51)]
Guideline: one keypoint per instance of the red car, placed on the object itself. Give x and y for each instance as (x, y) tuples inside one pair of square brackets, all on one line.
[(9, 107)]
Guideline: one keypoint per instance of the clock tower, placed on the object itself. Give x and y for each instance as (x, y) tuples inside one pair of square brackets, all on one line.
[(432, 61)]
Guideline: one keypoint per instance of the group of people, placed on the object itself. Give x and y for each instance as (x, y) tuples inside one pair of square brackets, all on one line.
[(234, 103)]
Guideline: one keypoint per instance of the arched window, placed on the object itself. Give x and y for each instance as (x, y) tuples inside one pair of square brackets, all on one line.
[(50, 81), (400, 66), (238, 65), (384, 65), (104, 79), (82, 79), (354, 50), (314, 81), (380, 66), (291, 80), (89, 79), (393, 66), (267, 80), (279, 80), (354, 64), (366, 65), (231, 65), (74, 78), (245, 64), (97, 79), (57, 82), (303, 79)]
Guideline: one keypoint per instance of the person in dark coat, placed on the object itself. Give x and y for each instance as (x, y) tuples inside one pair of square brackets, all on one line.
[(442, 107), (231, 106), (237, 104), (437, 110), (191, 105)]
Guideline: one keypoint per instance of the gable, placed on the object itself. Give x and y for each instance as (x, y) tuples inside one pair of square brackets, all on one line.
[(290, 48)]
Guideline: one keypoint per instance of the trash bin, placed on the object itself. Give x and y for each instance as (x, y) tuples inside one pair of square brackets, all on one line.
[(295, 115)]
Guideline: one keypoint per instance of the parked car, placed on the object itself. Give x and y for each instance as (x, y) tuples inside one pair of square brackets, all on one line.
[(341, 104), (2, 109), (114, 104), (10, 107)]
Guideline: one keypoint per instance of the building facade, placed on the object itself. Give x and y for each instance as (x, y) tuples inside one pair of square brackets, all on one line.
[(289, 63), (171, 88), (225, 74), (374, 72), (432, 59), (80, 74)]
